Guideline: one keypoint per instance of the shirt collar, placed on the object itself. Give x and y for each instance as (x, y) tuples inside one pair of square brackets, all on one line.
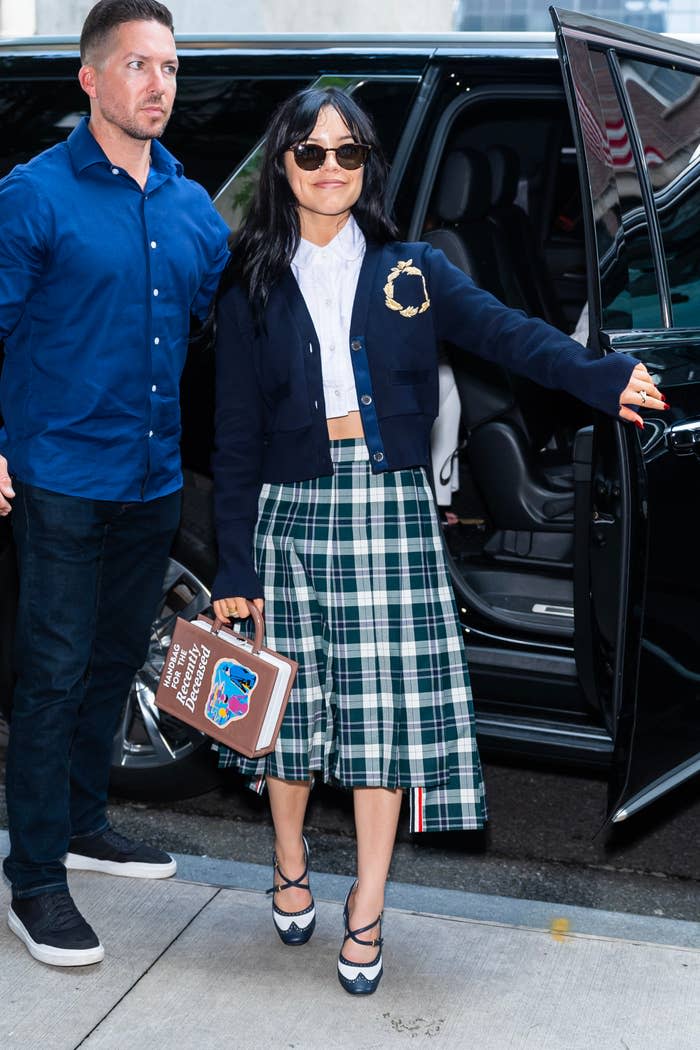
[(85, 151), (348, 245)]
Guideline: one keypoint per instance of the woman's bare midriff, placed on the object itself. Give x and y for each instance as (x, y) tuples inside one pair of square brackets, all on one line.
[(349, 426)]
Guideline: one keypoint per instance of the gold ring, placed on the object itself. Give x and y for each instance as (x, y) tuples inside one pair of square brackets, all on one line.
[(643, 395)]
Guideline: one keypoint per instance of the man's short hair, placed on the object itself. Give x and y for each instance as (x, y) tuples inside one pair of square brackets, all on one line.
[(107, 15)]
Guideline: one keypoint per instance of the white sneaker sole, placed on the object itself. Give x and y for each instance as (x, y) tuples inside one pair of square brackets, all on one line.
[(131, 869), (50, 955)]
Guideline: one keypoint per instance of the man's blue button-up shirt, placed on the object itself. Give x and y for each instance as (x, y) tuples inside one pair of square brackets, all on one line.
[(97, 281)]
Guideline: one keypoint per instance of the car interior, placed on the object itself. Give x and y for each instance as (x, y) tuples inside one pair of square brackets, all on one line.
[(505, 208)]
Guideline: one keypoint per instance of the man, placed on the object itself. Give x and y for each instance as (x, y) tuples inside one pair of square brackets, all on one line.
[(106, 249)]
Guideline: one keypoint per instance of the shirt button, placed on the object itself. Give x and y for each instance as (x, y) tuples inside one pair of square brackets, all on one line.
[(356, 344), (154, 244), (366, 399), (150, 434), (156, 340), (378, 457), (332, 347), (115, 171), (337, 393), (155, 291), (154, 388)]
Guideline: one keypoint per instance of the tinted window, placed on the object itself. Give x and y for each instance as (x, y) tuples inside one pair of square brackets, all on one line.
[(629, 291), (666, 104), (36, 115), (388, 103), (216, 122)]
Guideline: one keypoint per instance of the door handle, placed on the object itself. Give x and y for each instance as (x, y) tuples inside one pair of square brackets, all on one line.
[(684, 438)]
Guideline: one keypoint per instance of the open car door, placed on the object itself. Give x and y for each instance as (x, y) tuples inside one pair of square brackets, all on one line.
[(634, 99)]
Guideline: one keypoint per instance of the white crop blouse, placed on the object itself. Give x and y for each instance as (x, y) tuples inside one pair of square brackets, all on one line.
[(327, 278)]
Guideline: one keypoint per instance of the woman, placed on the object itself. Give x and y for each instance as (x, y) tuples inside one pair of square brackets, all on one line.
[(327, 387)]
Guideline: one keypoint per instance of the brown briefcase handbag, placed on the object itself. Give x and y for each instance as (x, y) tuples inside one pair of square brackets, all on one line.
[(231, 688)]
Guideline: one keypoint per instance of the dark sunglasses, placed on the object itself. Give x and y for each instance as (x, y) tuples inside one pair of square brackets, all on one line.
[(309, 157)]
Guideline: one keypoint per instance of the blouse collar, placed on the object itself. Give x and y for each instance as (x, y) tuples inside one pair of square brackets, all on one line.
[(348, 245)]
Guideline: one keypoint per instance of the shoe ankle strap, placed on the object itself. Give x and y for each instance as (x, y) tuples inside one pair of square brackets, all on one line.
[(376, 942), (286, 883)]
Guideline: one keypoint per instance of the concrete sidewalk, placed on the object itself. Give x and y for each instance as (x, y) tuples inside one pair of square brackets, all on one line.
[(193, 962)]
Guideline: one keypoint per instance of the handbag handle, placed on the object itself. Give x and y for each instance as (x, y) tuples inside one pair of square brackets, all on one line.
[(258, 622)]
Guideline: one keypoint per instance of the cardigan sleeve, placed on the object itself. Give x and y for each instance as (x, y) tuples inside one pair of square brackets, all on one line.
[(238, 450), (476, 321)]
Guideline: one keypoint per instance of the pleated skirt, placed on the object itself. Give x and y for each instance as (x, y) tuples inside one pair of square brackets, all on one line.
[(357, 590)]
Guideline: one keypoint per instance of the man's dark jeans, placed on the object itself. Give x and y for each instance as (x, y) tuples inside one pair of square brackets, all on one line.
[(91, 573)]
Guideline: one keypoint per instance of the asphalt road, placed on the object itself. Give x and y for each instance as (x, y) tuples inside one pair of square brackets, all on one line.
[(543, 841)]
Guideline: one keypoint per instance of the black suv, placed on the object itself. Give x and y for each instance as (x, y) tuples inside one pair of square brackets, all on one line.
[(562, 173)]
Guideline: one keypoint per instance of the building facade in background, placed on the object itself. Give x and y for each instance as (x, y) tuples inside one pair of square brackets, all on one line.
[(659, 16), (64, 17)]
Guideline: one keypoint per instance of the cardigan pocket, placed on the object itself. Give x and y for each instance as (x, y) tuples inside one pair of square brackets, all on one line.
[(409, 397), (410, 376)]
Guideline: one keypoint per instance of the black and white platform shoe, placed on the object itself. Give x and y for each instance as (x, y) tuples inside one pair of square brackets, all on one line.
[(294, 927), (360, 978)]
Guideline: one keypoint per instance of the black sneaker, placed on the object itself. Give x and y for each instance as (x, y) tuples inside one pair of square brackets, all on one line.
[(54, 931), (115, 854)]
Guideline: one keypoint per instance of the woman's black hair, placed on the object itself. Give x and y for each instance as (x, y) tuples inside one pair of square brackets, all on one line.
[(265, 244)]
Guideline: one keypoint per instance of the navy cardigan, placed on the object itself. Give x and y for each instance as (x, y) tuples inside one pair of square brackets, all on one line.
[(270, 413)]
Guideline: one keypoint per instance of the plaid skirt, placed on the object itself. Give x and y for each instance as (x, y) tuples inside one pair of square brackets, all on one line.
[(357, 590)]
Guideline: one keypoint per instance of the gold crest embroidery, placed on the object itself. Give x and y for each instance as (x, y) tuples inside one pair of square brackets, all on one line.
[(410, 270)]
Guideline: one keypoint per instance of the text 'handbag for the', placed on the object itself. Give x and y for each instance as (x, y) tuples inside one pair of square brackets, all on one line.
[(225, 685)]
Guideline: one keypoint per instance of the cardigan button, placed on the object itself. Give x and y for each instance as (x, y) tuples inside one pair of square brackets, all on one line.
[(356, 344), (366, 399), (378, 457)]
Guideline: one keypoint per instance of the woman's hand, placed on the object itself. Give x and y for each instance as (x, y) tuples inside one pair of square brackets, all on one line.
[(225, 608), (640, 392)]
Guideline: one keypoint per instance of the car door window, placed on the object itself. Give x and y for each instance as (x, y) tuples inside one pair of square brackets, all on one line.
[(666, 106), (388, 100), (217, 120), (628, 284)]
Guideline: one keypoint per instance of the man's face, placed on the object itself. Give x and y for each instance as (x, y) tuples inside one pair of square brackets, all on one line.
[(134, 80)]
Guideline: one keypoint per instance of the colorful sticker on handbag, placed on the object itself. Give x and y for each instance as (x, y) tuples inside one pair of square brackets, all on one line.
[(229, 696)]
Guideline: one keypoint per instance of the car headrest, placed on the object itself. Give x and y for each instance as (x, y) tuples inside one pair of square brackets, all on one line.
[(464, 186), (505, 172)]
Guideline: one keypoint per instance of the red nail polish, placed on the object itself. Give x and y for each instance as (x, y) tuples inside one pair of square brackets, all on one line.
[(638, 423), (663, 398)]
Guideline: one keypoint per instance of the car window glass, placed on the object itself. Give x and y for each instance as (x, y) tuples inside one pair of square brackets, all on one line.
[(217, 121), (388, 102), (666, 105), (629, 288), (35, 115)]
